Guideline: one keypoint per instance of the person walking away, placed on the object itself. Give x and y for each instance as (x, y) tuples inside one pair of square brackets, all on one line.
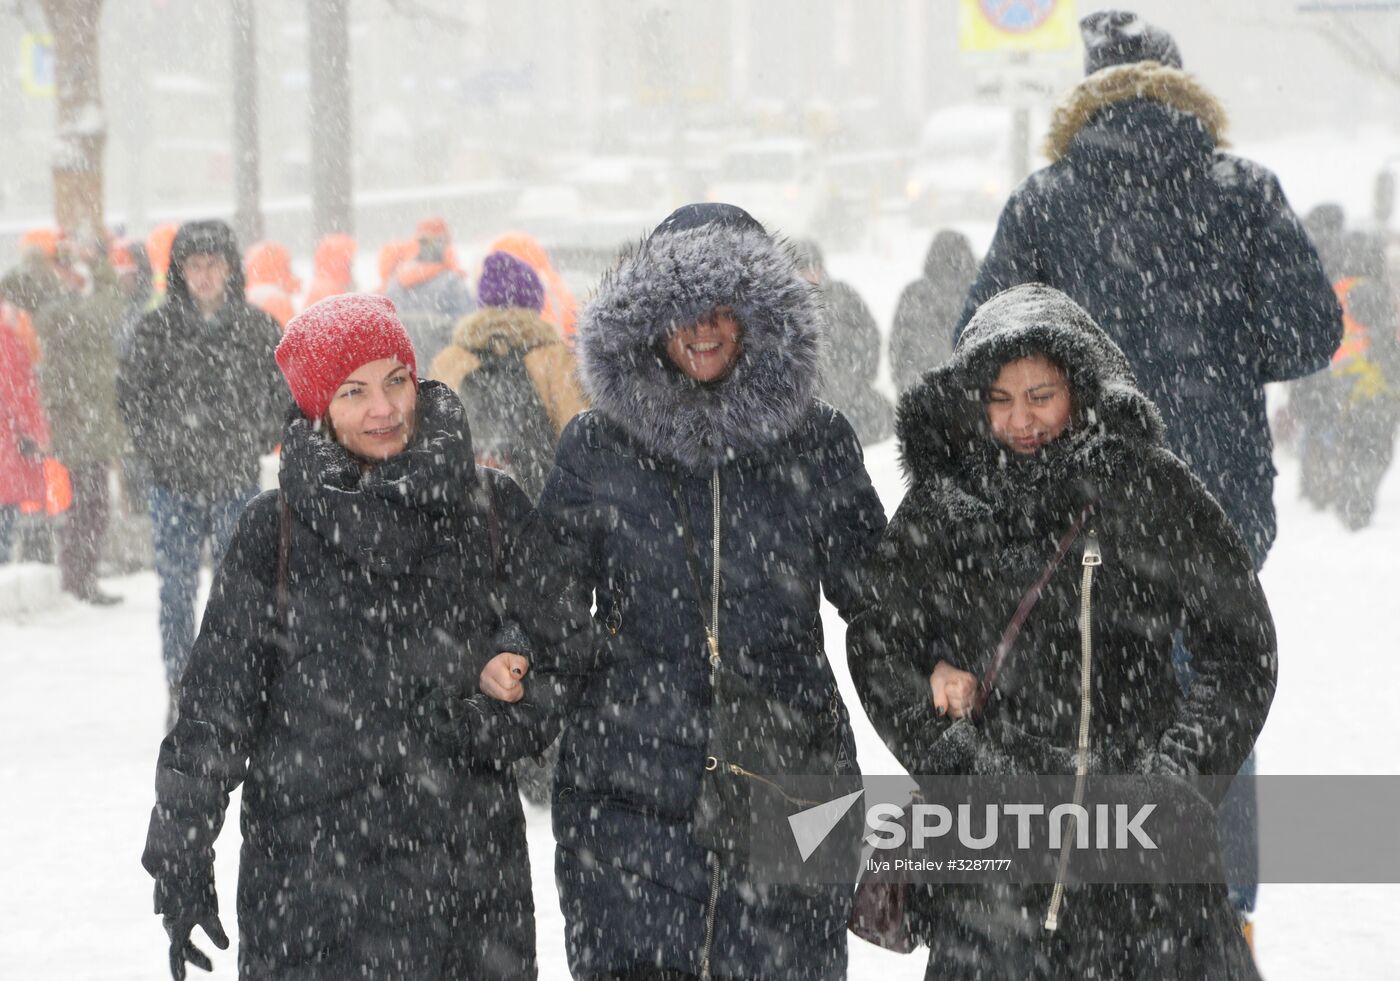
[(334, 268), (704, 503), (377, 648), (78, 384), (202, 399), (1193, 263), (428, 291), (850, 352), (518, 383), (928, 308), (515, 376), (560, 307), (271, 286)]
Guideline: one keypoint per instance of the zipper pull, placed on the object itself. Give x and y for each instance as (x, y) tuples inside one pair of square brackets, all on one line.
[(1092, 555), (713, 643)]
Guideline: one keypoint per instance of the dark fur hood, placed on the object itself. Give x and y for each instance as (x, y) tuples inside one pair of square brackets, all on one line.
[(676, 278), (1143, 81), (942, 423)]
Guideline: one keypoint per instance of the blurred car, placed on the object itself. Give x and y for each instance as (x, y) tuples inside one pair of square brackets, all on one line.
[(963, 167), (780, 182)]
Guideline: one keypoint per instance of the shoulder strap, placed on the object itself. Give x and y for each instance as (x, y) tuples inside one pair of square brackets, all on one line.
[(1023, 610)]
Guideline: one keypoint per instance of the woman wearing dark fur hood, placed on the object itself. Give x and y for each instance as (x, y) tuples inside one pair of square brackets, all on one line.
[(1033, 440), (706, 501)]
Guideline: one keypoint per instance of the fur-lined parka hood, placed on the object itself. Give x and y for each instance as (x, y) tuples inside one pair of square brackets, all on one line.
[(675, 278), (942, 425), (1148, 81), (513, 327)]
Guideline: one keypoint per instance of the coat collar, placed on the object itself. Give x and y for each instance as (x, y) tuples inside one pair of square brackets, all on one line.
[(1147, 80)]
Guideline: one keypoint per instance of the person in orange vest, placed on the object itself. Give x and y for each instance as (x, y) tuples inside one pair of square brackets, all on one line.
[(391, 256), (560, 306), (334, 268), (429, 292), (158, 244), (1350, 412), (269, 281)]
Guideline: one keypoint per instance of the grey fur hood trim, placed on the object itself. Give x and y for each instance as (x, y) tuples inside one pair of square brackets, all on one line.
[(942, 423), (1171, 87), (674, 279)]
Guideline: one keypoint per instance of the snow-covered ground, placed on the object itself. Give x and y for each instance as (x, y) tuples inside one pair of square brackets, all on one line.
[(82, 703)]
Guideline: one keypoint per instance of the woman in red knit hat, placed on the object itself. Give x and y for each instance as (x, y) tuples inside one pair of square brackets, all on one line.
[(362, 672)]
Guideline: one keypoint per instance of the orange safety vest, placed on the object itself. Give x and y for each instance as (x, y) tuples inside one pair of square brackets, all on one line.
[(1356, 336)]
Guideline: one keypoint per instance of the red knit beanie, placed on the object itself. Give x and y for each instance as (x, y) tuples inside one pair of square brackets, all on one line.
[(328, 340)]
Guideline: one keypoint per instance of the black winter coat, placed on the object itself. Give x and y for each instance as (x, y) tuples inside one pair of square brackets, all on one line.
[(850, 363), (203, 399), (1189, 258), (382, 830), (977, 528), (797, 516)]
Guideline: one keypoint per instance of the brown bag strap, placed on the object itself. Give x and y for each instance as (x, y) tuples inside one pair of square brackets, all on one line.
[(1023, 610)]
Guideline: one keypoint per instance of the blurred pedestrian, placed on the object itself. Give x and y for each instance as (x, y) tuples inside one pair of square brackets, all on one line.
[(850, 351), (78, 383), (516, 377), (428, 291), (270, 284), (202, 399), (23, 436), (921, 337), (560, 307), (333, 268)]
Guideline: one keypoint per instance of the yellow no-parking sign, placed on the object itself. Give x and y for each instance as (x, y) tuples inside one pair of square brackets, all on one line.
[(36, 64), (1017, 25)]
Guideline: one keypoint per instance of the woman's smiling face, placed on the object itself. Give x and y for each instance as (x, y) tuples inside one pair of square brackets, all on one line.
[(1029, 404), (707, 351), (373, 411)]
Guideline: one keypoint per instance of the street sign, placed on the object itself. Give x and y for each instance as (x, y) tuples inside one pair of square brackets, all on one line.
[(36, 64), (1017, 25)]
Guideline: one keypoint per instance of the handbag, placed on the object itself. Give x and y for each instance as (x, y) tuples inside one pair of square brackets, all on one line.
[(880, 911)]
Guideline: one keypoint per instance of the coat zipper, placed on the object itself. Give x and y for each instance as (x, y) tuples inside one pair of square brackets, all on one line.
[(1092, 559), (712, 638)]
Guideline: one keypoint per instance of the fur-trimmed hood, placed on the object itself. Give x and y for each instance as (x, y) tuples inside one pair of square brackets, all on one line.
[(675, 278), (942, 424), (1143, 80), (512, 327)]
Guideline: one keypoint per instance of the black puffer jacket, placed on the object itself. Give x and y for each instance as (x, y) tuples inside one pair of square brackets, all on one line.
[(382, 831), (797, 516), (977, 528), (203, 399), (1188, 257)]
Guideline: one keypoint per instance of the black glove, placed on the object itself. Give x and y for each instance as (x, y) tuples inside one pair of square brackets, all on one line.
[(29, 448), (182, 948), (1008, 750)]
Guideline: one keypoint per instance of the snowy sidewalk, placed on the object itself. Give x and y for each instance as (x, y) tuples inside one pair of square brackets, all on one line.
[(82, 703)]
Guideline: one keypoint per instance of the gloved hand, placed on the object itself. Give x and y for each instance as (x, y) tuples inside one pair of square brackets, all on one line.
[(182, 948)]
